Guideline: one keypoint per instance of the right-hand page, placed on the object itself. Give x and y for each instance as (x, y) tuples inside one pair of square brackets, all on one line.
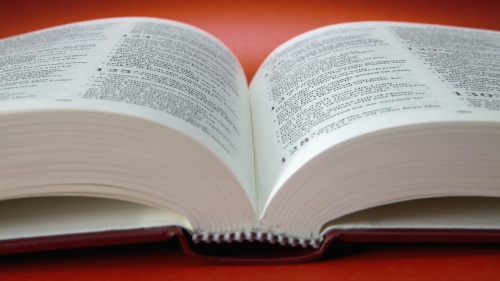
[(344, 81)]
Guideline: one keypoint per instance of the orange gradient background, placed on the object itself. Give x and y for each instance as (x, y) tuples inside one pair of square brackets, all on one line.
[(251, 29)]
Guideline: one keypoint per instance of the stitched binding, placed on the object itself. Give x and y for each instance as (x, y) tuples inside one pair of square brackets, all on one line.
[(256, 236)]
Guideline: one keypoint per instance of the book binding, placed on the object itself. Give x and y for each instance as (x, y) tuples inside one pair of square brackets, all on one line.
[(245, 250), (257, 237)]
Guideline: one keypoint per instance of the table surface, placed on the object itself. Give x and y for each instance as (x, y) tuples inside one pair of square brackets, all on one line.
[(252, 30)]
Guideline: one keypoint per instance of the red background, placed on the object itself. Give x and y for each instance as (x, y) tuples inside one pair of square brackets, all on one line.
[(252, 30)]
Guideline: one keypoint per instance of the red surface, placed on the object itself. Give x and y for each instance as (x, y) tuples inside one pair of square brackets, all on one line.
[(251, 30), (166, 261)]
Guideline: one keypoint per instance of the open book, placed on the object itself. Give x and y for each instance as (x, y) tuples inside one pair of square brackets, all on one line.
[(141, 123)]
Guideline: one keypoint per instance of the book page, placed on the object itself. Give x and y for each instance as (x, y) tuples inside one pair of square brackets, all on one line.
[(428, 213), (63, 215), (335, 83), (159, 70)]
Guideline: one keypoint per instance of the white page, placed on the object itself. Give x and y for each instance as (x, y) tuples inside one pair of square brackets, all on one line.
[(339, 82), (163, 71)]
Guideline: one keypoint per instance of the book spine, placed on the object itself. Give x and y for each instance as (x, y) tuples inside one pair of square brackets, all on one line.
[(257, 237)]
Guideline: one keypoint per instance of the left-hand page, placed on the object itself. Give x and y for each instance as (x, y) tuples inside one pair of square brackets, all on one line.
[(120, 83)]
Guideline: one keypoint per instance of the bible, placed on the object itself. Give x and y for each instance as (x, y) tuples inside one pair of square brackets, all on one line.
[(137, 129)]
